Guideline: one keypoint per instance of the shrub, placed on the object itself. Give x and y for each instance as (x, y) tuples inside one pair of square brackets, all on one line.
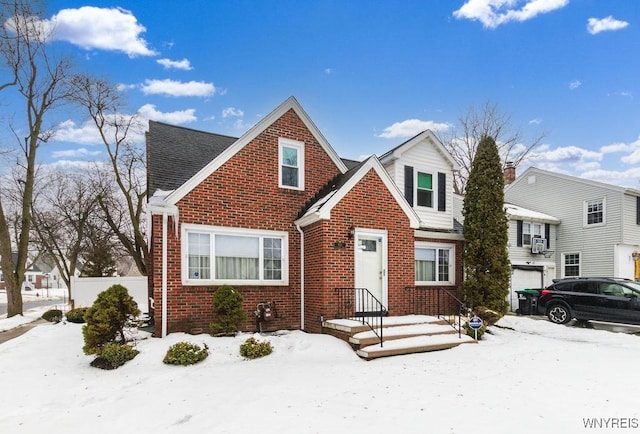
[(227, 311), (52, 315), (77, 315), (253, 349), (107, 318), (114, 355), (185, 353), (489, 317)]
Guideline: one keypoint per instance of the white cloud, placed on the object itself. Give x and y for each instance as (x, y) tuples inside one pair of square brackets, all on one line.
[(75, 153), (177, 88), (566, 154), (232, 112), (595, 25), (149, 112), (624, 178), (411, 127), (493, 13), (112, 29), (183, 64), (536, 121), (122, 87), (85, 134), (328, 71), (575, 84)]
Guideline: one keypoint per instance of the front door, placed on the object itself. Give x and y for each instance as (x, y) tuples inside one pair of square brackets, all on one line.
[(370, 268)]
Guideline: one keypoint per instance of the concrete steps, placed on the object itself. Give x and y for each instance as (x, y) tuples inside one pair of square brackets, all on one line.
[(401, 335)]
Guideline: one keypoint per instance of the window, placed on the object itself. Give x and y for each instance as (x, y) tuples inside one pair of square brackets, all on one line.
[(530, 230), (291, 163), (236, 256), (571, 264), (434, 264), (424, 190), (594, 213)]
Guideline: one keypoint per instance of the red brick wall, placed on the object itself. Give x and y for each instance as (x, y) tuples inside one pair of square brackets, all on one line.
[(369, 205), (243, 193)]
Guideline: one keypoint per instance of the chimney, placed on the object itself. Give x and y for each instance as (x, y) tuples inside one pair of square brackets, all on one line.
[(509, 172)]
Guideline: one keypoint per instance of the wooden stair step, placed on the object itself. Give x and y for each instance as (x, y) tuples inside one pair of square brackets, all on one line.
[(417, 344), (353, 326), (400, 332)]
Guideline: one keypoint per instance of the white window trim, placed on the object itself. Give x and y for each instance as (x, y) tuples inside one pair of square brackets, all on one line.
[(219, 230), (300, 147), (563, 263), (584, 213), (434, 193), (452, 262), (532, 234)]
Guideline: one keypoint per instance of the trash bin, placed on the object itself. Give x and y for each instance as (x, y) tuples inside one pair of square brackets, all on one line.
[(528, 301)]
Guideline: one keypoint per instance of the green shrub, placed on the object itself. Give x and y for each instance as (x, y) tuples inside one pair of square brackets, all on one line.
[(77, 315), (107, 318), (253, 349), (185, 353), (227, 311), (52, 315), (114, 355)]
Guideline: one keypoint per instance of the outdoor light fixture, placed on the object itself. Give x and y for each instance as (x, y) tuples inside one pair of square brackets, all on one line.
[(351, 233)]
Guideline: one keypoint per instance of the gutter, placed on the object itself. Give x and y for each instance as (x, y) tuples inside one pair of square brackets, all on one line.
[(301, 275), (165, 219)]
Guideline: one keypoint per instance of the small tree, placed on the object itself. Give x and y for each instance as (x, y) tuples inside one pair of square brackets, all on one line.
[(107, 317), (227, 311), (486, 260)]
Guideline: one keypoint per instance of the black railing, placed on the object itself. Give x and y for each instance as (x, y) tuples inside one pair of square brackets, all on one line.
[(438, 302), (358, 304)]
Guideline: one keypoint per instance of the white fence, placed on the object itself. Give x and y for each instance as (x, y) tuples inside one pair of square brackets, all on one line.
[(85, 290)]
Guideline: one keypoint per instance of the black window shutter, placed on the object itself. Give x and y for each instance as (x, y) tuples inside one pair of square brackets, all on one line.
[(442, 191), (519, 242), (547, 234), (638, 210), (408, 184)]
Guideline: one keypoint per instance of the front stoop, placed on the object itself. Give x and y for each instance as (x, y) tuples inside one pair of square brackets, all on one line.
[(401, 335)]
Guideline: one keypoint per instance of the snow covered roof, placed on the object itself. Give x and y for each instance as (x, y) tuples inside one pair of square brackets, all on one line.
[(515, 212)]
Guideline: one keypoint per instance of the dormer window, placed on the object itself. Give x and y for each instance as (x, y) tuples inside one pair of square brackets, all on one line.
[(291, 164), (424, 190)]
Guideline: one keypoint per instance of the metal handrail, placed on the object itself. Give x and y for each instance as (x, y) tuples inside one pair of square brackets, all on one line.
[(359, 304), (439, 302)]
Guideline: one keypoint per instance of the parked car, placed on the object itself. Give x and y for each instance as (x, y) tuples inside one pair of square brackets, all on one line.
[(591, 298)]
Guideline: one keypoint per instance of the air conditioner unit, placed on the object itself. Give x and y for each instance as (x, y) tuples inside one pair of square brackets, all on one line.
[(538, 245)]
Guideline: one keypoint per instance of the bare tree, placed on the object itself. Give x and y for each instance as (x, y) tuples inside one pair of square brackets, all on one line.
[(122, 182), (65, 213), (39, 81), (486, 121)]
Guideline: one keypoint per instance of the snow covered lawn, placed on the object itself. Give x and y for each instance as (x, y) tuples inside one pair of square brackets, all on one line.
[(532, 376)]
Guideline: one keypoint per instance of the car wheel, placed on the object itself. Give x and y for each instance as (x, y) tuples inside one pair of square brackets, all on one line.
[(559, 314)]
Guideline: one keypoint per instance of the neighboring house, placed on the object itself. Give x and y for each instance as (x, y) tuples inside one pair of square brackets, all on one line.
[(598, 233), (279, 216), (532, 239)]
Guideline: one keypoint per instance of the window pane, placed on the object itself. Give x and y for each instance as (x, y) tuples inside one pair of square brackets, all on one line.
[(443, 265), (425, 198), (289, 156), (199, 266), (290, 176), (237, 257), (425, 180), (272, 258), (425, 265), (572, 265), (595, 211)]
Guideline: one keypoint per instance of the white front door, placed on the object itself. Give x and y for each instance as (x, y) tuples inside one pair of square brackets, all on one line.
[(370, 268)]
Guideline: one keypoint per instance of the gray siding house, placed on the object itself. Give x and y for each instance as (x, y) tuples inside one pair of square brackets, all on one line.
[(598, 233)]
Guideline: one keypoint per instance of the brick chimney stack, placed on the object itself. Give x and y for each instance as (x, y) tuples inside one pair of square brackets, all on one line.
[(509, 172)]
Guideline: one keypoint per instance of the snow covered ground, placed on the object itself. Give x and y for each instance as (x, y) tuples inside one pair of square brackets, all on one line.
[(530, 376)]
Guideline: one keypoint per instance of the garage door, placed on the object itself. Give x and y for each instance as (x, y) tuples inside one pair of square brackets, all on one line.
[(523, 279)]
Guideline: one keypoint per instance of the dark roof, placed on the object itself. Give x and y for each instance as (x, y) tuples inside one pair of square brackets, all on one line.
[(175, 154), (350, 163)]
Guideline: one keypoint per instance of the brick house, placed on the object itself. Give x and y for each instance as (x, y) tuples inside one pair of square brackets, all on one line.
[(282, 218)]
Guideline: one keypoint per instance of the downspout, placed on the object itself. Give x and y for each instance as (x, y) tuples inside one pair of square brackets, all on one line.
[(301, 276), (164, 273)]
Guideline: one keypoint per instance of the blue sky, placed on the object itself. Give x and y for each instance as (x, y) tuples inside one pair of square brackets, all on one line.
[(372, 74)]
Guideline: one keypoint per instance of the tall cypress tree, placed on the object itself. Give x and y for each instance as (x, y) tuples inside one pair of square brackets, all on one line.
[(486, 260)]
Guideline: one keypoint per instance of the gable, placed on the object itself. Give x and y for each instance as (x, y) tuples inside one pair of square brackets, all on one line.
[(289, 106), (321, 209), (425, 143)]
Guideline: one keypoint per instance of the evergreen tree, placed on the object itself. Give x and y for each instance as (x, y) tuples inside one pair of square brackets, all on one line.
[(486, 260), (100, 261)]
